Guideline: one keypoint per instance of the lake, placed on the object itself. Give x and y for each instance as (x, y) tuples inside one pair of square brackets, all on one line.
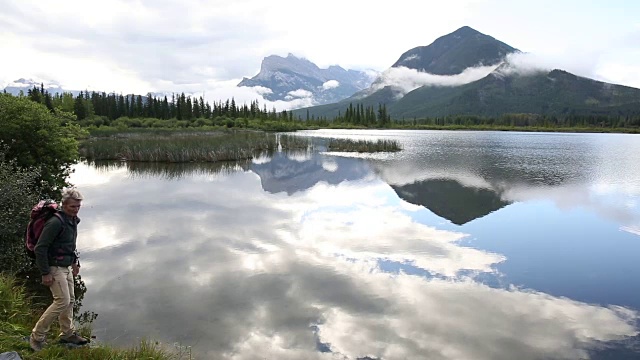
[(464, 245)]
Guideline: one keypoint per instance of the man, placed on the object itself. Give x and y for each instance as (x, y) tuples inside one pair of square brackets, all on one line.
[(58, 263)]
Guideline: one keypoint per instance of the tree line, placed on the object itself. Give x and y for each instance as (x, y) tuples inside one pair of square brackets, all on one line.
[(180, 110), (87, 105), (532, 120)]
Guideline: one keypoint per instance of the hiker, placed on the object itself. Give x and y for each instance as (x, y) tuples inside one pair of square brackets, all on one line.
[(57, 260)]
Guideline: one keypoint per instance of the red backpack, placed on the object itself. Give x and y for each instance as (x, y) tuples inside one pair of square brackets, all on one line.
[(40, 213)]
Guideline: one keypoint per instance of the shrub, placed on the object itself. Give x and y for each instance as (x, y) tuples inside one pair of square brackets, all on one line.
[(17, 196), (36, 138)]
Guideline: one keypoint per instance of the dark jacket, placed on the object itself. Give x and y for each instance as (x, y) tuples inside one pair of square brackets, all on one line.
[(57, 243)]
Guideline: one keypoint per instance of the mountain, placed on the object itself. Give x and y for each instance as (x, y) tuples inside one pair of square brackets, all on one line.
[(450, 54), (501, 87), (291, 77), (453, 53), (552, 93), (24, 85)]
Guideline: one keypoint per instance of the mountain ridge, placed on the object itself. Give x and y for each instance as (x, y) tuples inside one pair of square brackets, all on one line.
[(291, 76), (504, 90)]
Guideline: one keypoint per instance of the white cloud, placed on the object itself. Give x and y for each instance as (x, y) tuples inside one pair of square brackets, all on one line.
[(331, 84), (300, 93), (406, 80), (262, 90), (128, 47), (632, 229), (525, 64), (221, 90)]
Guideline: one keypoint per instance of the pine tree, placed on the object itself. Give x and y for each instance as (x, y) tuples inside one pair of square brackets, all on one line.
[(48, 101), (188, 114), (139, 107), (78, 107), (232, 108)]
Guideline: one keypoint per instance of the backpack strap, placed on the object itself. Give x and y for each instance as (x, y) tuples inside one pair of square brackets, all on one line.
[(57, 214)]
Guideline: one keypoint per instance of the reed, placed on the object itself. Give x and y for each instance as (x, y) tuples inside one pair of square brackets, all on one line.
[(189, 147), (183, 147), (349, 145)]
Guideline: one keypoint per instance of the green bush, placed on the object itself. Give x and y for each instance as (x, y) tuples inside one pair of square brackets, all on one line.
[(38, 139), (17, 196)]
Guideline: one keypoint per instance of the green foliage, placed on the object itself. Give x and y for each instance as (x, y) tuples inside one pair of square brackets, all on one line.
[(17, 196), (37, 138), (14, 306)]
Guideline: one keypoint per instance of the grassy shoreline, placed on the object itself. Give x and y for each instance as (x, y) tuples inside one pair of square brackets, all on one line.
[(18, 315)]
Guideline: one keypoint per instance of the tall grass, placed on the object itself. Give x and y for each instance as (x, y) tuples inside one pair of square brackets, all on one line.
[(349, 145), (17, 317), (181, 147), (194, 147)]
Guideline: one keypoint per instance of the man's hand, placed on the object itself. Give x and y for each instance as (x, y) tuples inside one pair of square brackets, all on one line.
[(47, 280), (75, 269)]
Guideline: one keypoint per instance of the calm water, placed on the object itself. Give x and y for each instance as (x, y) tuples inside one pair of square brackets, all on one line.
[(465, 245)]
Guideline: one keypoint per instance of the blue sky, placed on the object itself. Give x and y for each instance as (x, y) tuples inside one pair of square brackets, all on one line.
[(208, 46)]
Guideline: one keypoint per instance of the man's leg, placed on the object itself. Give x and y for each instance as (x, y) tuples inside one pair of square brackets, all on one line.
[(61, 298), (66, 316), (67, 329)]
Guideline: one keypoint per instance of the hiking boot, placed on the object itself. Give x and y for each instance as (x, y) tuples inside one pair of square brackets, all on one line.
[(74, 339), (35, 344)]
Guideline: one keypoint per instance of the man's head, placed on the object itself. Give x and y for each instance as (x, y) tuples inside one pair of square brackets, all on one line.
[(71, 202)]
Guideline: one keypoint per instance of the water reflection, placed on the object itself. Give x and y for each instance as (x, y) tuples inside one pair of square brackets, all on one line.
[(452, 200), (293, 172), (288, 258), (171, 171)]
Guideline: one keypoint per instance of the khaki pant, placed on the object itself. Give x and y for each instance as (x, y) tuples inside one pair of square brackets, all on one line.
[(62, 306)]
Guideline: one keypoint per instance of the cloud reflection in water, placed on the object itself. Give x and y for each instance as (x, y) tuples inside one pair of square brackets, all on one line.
[(215, 262)]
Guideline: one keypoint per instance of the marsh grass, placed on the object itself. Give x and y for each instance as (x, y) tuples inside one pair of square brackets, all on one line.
[(182, 147), (349, 145), (17, 318)]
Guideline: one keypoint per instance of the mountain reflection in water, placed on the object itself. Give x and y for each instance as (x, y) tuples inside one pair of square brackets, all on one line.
[(315, 256)]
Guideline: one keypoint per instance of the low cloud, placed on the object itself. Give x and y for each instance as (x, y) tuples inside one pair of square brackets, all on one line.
[(300, 93), (214, 91), (525, 64), (406, 80), (262, 90), (331, 84)]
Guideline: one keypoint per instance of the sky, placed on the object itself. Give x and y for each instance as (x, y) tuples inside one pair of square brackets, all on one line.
[(208, 46)]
